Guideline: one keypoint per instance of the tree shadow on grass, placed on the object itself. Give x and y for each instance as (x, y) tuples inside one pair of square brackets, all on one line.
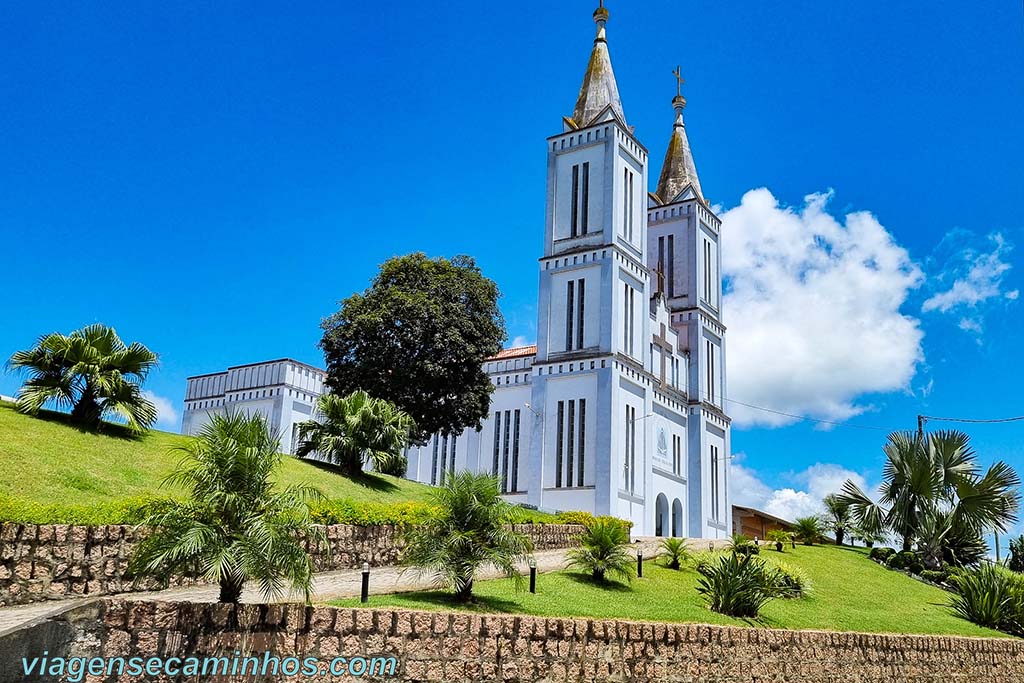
[(367, 480), (608, 584), (108, 429), (480, 603)]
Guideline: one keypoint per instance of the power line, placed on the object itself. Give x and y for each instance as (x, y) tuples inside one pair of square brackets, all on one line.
[(810, 419), (928, 418)]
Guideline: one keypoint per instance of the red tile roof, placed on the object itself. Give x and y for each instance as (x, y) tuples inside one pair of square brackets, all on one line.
[(515, 352)]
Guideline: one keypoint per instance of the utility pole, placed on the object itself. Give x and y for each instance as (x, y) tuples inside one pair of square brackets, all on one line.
[(920, 427)]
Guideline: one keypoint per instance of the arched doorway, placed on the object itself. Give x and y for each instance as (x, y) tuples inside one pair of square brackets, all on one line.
[(677, 518), (661, 521)]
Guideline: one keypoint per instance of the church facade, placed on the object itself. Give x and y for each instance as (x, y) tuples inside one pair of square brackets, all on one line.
[(619, 409)]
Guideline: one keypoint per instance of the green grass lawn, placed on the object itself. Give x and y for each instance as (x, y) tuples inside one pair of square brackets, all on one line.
[(849, 593), (48, 462)]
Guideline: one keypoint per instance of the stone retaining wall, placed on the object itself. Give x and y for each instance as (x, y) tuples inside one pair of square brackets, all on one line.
[(454, 647), (53, 561)]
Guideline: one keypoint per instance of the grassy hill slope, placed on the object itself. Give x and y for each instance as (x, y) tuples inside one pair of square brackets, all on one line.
[(849, 592), (47, 462)]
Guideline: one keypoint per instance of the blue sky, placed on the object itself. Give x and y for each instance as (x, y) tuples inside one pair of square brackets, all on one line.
[(212, 178)]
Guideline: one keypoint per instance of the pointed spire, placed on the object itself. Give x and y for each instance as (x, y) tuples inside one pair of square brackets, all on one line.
[(678, 171), (599, 89)]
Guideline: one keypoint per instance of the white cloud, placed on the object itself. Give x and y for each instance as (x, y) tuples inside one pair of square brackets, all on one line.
[(801, 500), (521, 341), (813, 309), (976, 277), (167, 414)]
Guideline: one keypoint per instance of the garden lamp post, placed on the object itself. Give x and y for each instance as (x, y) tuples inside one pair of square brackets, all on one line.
[(533, 575), (364, 594), (640, 563)]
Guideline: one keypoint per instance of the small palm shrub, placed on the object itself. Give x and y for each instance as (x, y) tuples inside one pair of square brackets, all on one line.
[(779, 537), (469, 530), (739, 585), (236, 526), (743, 544), (673, 552), (604, 551), (793, 581), (990, 596), (809, 530)]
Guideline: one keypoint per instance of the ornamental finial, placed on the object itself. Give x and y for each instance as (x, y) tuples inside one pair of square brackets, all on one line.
[(601, 14)]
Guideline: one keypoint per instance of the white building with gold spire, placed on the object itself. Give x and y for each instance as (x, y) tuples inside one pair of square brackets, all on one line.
[(619, 408)]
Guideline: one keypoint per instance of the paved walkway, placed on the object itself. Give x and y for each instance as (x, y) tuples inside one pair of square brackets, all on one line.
[(326, 586)]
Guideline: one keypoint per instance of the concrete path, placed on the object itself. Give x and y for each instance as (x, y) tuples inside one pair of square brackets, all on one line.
[(326, 586)]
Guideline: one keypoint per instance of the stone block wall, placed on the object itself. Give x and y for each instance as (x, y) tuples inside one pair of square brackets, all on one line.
[(53, 561), (456, 647)]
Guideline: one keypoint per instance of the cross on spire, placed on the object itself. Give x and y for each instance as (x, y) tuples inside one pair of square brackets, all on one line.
[(678, 73)]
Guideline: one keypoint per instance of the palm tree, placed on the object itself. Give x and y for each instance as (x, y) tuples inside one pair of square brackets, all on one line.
[(471, 529), (356, 429), (674, 552), (91, 373), (934, 482), (837, 516), (236, 525), (604, 550), (808, 530)]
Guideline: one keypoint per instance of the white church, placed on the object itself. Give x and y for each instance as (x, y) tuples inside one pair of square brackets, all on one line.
[(619, 409)]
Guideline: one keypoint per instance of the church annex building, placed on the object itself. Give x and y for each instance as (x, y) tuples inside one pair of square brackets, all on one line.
[(619, 409)]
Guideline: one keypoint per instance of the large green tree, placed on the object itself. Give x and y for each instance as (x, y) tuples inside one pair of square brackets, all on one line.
[(418, 337), (91, 373), (236, 525), (356, 429)]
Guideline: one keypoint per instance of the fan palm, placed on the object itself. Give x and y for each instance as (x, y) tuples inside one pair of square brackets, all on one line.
[(604, 551), (935, 475), (471, 529), (91, 373), (356, 429), (673, 552), (235, 526), (808, 530), (837, 516)]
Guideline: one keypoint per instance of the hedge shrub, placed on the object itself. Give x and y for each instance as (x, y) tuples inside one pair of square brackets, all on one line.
[(586, 519), (881, 554), (903, 560), (935, 576), (126, 511)]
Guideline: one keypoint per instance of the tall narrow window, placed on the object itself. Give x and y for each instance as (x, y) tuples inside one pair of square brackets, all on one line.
[(559, 444), (444, 455), (671, 275), (630, 195), (625, 203), (451, 455), (628, 312), (504, 452), (570, 443), (677, 454), (714, 483), (585, 200), (497, 442), (574, 221), (625, 318), (631, 447), (515, 452), (661, 263), (625, 456), (582, 443), (570, 299), (580, 297), (433, 461)]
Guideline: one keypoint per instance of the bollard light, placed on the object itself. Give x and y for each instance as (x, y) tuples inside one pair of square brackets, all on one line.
[(640, 563), (533, 575), (364, 595)]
